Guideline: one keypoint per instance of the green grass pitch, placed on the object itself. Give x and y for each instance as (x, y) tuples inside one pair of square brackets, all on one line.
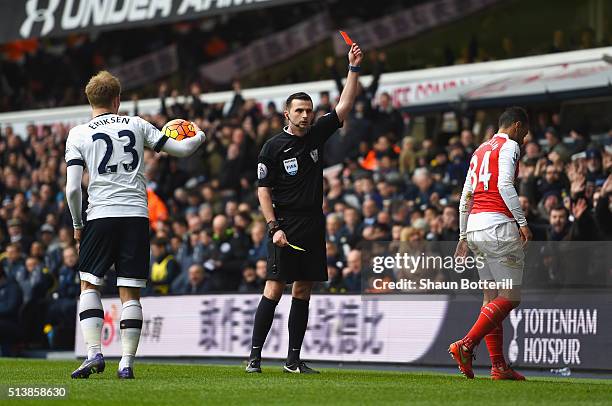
[(179, 384)]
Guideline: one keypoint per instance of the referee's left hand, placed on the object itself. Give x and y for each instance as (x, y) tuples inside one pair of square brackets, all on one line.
[(279, 238)]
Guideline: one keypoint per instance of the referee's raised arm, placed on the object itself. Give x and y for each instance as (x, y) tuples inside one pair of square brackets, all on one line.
[(347, 98)]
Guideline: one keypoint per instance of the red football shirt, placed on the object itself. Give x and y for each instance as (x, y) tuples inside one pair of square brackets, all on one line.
[(484, 172)]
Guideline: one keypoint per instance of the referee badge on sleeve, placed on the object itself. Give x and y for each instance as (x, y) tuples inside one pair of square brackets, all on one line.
[(314, 154), (291, 166), (262, 170)]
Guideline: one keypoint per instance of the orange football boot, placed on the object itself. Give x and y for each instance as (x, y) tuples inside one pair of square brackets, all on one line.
[(505, 373), (463, 358)]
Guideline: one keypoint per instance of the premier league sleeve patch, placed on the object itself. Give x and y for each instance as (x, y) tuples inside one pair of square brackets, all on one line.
[(291, 166), (262, 170), (314, 154)]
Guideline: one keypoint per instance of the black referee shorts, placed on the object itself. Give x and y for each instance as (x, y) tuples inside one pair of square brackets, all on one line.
[(289, 265), (119, 241)]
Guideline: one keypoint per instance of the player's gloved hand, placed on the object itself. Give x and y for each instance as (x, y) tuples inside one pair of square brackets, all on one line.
[(462, 249), (526, 235), (198, 130), (279, 238), (77, 234), (201, 134)]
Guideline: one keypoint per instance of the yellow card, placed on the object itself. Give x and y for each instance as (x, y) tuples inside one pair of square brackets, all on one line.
[(295, 247)]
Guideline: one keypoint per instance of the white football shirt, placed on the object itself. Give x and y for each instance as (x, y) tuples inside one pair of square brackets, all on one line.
[(111, 147)]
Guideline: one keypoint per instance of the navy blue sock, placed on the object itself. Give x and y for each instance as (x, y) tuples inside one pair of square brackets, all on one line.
[(298, 320), (261, 325)]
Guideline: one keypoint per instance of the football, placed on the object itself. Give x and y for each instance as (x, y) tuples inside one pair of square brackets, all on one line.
[(179, 129)]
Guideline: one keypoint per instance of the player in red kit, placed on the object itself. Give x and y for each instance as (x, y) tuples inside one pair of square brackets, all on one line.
[(489, 214)]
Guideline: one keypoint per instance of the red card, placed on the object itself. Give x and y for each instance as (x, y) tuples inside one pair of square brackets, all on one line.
[(347, 39)]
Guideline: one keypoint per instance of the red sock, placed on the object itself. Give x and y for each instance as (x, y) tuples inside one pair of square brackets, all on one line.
[(490, 317), (495, 345)]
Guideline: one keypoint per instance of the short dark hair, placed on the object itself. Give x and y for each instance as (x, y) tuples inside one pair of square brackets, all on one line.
[(560, 207), (297, 96), (513, 115), (160, 242)]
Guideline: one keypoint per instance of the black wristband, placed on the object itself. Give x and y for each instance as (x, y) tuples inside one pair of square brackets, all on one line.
[(355, 68), (273, 227)]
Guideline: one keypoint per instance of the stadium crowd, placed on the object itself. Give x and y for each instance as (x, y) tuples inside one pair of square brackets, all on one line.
[(208, 235)]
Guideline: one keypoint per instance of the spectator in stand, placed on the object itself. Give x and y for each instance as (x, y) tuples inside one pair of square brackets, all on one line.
[(229, 251), (369, 212), (551, 182), (33, 280), (17, 236), (261, 269), (10, 303), (458, 165), (324, 106), (62, 305), (387, 119), (536, 223), (382, 148), (352, 227), (603, 214), (583, 227), (407, 159), (580, 139), (259, 247), (50, 243), (164, 268), (467, 141), (334, 283), (251, 283), (595, 171), (13, 261), (352, 273), (424, 188), (555, 144), (333, 228), (558, 43), (559, 224), (532, 155), (197, 282), (450, 224)]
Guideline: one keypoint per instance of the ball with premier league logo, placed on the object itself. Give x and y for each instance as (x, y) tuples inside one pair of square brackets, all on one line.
[(179, 129)]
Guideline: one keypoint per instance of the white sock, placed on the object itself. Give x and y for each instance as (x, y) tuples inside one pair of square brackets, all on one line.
[(130, 326), (91, 315)]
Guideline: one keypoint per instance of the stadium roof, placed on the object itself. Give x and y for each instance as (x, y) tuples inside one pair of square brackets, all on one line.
[(560, 81)]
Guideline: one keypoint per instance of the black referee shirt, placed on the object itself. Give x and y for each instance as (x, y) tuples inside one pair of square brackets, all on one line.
[(292, 166)]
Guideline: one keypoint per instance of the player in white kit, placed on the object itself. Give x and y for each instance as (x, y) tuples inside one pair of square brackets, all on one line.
[(493, 226), (116, 233)]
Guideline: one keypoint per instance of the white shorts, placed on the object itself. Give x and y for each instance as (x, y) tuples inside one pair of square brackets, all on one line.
[(501, 249)]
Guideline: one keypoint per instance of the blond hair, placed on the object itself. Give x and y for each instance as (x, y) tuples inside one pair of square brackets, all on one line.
[(102, 89), (408, 232)]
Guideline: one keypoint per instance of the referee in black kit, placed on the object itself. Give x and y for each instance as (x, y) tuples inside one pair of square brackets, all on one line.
[(290, 191)]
